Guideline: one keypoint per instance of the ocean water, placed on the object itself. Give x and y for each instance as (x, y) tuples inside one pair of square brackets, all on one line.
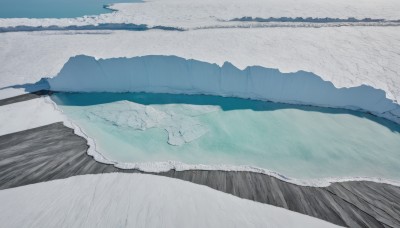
[(54, 8), (296, 141)]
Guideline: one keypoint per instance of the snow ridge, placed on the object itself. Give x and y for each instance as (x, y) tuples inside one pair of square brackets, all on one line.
[(245, 22), (310, 19), (101, 26)]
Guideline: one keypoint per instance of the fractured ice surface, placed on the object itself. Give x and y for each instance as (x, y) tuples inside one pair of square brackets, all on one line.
[(181, 125)]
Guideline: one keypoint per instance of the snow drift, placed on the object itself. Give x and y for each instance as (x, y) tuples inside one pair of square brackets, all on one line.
[(171, 74)]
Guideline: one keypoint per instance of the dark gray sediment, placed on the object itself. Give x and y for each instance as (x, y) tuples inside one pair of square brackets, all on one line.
[(54, 152), (24, 97)]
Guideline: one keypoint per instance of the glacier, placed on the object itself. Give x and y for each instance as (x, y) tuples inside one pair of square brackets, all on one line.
[(172, 74)]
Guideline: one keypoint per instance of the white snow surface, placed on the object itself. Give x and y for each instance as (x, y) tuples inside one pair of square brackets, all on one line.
[(28, 114), (137, 200), (346, 56), (194, 14)]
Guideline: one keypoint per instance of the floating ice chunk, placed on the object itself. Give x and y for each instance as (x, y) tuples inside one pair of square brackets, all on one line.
[(181, 125), (184, 130), (128, 114)]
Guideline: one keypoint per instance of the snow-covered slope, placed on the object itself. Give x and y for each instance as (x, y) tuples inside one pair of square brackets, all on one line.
[(137, 200), (192, 14), (169, 74)]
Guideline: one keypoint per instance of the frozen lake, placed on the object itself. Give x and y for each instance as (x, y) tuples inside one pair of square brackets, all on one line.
[(54, 8), (296, 141)]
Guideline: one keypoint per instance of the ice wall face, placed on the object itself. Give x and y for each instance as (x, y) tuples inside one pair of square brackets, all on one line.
[(171, 74)]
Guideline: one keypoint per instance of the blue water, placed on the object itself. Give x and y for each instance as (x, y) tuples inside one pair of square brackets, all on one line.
[(54, 8), (297, 141)]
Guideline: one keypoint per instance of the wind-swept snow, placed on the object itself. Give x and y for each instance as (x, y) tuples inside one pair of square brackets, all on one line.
[(137, 200)]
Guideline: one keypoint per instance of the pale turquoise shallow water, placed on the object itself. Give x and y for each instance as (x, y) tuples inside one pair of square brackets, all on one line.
[(296, 141), (54, 8)]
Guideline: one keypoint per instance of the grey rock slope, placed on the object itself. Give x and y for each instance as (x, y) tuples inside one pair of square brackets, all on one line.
[(24, 97)]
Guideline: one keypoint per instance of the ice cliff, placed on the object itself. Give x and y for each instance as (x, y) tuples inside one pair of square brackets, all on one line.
[(171, 74)]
